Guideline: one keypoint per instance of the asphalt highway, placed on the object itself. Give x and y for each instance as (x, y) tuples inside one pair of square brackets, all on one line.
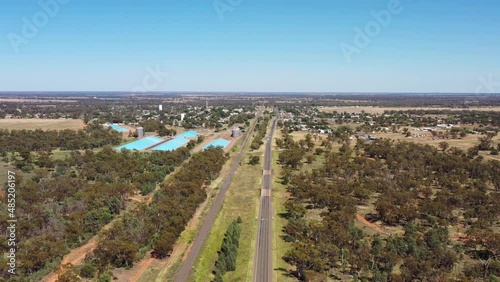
[(263, 266)]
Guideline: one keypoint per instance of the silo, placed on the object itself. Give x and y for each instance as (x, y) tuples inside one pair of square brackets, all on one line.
[(140, 132), (236, 132)]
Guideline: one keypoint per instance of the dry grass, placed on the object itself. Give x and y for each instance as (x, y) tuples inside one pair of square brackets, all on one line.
[(300, 135), (45, 124), (242, 200), (367, 209), (380, 110), (463, 144)]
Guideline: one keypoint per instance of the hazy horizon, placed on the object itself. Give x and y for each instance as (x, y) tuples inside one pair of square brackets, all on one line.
[(235, 93)]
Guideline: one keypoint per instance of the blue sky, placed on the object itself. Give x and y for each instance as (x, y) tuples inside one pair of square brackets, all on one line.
[(254, 45)]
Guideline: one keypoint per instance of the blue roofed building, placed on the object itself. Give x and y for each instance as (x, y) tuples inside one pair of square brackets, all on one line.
[(223, 143), (172, 145), (118, 128), (188, 134), (142, 144)]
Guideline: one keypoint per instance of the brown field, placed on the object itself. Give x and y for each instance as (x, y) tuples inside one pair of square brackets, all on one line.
[(464, 144), (380, 110), (45, 124), (299, 135)]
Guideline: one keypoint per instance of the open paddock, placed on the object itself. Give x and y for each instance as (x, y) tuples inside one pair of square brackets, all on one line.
[(44, 124), (300, 135), (464, 144)]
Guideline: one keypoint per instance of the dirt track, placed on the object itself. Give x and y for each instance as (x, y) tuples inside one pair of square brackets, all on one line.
[(143, 266), (75, 257), (363, 220), (377, 228)]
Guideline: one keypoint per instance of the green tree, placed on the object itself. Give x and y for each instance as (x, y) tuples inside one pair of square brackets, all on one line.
[(444, 145), (164, 244), (191, 144), (254, 160), (200, 139), (163, 131), (88, 271)]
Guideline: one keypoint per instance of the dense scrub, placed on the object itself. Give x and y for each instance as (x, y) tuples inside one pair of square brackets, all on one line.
[(415, 187), (65, 202), (157, 225), (228, 251), (92, 136), (261, 127)]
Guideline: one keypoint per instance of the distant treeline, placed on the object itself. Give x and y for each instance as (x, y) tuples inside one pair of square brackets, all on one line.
[(462, 101), (455, 116), (126, 109), (92, 136), (119, 108)]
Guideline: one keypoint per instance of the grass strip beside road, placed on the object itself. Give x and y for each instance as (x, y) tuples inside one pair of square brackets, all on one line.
[(280, 247), (242, 200)]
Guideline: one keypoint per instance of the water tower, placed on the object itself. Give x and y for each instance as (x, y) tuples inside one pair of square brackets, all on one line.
[(236, 132), (140, 132)]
